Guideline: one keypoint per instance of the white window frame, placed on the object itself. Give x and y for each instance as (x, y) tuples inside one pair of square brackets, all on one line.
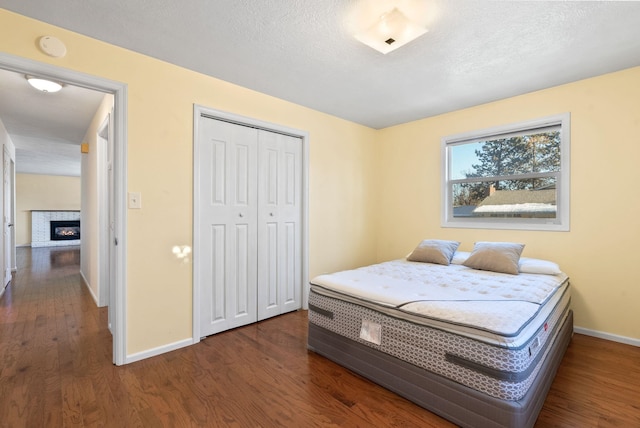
[(560, 223)]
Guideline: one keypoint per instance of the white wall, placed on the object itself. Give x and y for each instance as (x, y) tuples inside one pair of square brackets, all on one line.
[(5, 142), (90, 204)]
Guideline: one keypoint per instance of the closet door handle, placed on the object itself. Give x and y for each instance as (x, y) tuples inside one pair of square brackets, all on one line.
[(241, 215), (271, 214)]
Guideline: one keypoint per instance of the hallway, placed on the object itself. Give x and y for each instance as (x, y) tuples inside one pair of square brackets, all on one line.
[(50, 333)]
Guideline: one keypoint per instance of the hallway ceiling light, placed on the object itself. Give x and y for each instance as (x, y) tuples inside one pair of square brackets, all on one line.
[(391, 31), (44, 85)]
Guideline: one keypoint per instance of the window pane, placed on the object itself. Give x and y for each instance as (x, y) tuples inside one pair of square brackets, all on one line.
[(522, 154), (531, 198), (463, 157)]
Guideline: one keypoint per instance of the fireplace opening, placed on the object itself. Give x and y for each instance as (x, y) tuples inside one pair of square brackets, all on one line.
[(65, 230)]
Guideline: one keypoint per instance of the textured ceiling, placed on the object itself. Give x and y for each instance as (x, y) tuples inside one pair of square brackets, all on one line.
[(303, 50)]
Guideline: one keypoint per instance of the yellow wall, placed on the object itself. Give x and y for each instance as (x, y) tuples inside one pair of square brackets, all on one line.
[(373, 194), (42, 192), (160, 122), (599, 252)]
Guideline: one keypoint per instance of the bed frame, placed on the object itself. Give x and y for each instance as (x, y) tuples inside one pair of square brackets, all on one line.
[(455, 402)]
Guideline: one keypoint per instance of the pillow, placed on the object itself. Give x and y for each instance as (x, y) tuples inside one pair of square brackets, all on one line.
[(459, 257), (495, 256), (434, 251), (544, 267)]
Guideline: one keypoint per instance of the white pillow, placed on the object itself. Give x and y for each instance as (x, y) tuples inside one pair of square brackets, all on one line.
[(545, 267), (459, 257), (525, 265)]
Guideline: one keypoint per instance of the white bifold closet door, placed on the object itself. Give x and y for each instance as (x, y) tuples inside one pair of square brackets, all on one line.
[(279, 224), (250, 208)]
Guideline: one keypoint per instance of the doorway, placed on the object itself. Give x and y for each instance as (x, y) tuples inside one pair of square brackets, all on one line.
[(117, 261)]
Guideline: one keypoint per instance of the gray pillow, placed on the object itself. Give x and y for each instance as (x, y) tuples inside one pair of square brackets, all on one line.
[(434, 251), (495, 256)]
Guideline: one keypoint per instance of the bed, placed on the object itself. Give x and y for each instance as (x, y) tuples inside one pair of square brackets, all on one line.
[(472, 343)]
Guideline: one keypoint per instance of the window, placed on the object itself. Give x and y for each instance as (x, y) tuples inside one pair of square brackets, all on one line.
[(511, 177)]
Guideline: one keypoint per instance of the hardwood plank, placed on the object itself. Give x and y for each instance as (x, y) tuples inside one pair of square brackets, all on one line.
[(598, 384), (56, 370)]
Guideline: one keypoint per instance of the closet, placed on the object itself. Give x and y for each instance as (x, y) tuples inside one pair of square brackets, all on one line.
[(248, 252)]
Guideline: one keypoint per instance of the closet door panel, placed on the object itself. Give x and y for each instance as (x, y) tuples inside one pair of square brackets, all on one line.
[(291, 273), (242, 291), (268, 291), (216, 295), (279, 224), (268, 230), (291, 217), (228, 209)]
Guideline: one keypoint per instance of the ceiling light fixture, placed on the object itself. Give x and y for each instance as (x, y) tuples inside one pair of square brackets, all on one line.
[(44, 85), (392, 30)]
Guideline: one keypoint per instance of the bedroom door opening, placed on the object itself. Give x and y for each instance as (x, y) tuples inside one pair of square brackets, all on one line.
[(26, 66), (250, 221)]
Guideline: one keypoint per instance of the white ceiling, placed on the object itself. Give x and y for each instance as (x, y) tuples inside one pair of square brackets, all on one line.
[(303, 50), (46, 128)]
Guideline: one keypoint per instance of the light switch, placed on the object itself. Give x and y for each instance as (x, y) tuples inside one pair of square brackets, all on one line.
[(135, 201)]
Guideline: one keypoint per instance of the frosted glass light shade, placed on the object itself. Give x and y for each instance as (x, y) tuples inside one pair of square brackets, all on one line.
[(44, 85), (390, 32)]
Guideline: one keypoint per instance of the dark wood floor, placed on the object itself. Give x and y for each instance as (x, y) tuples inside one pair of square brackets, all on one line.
[(55, 370)]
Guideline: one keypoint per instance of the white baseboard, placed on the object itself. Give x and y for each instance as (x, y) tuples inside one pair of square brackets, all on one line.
[(607, 336), (187, 342), (132, 358), (86, 284)]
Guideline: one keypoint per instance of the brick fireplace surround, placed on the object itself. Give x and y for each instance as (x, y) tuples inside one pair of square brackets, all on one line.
[(40, 230)]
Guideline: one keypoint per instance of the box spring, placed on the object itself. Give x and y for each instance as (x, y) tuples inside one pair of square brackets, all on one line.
[(499, 371), (453, 401)]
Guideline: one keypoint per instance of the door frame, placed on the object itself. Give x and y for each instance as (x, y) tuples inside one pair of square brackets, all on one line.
[(119, 118), (103, 139), (12, 178), (202, 111), (8, 198)]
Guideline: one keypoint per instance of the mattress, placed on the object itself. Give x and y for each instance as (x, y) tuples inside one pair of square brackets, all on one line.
[(486, 330)]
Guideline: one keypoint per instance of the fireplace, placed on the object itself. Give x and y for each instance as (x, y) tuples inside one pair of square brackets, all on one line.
[(66, 230), (41, 228)]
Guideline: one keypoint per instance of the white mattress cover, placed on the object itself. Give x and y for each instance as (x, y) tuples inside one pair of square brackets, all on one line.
[(498, 308)]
